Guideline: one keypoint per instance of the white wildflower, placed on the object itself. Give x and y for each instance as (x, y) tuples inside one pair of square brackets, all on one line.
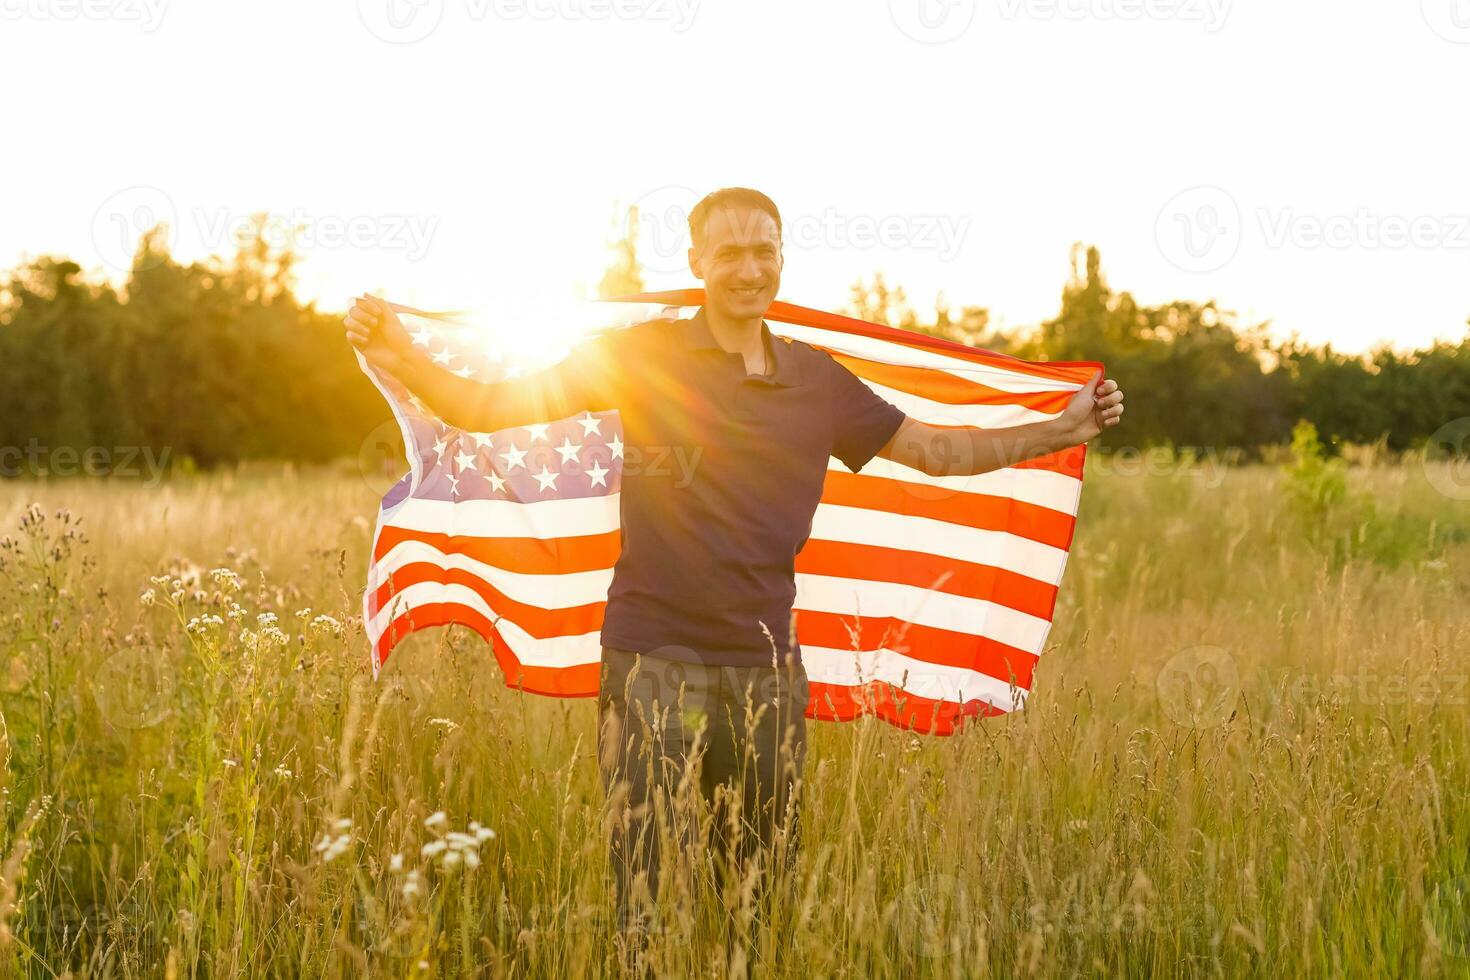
[(455, 848), (482, 834), (199, 624), (283, 772), (412, 885), (226, 578), (266, 619), (326, 624), (331, 848), (436, 821), (395, 863), (148, 598)]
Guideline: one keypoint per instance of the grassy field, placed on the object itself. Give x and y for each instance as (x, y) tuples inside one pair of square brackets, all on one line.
[(1247, 753)]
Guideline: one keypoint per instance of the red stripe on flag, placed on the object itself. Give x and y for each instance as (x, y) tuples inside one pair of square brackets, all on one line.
[(539, 622), (533, 556), (924, 571), (977, 510), (579, 681), (943, 647), (838, 702), (940, 386)]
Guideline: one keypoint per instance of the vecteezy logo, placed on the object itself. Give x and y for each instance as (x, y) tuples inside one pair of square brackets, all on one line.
[(932, 21), (1451, 476), (1198, 230), (124, 217), (1450, 19), (663, 228), (947, 446), (380, 458), (1198, 687), (134, 688), (928, 912), (400, 21)]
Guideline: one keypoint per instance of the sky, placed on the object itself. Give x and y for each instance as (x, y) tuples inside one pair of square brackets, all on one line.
[(1302, 163)]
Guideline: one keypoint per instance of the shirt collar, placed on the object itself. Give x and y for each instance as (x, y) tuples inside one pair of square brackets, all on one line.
[(785, 369)]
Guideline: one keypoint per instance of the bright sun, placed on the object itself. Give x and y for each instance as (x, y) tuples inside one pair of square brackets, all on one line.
[(526, 337)]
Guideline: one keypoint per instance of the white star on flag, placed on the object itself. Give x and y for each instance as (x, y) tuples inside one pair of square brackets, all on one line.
[(514, 457), (568, 451)]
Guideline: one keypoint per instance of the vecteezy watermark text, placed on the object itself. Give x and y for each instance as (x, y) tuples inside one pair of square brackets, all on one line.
[(408, 233), (662, 229), (409, 21), (121, 462), (129, 213), (148, 14), (1201, 229), (1210, 13)]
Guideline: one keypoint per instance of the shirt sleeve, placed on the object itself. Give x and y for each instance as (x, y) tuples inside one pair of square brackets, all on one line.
[(590, 377), (862, 422), (586, 380)]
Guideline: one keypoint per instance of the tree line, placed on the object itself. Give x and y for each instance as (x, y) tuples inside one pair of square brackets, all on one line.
[(1195, 377), (218, 361)]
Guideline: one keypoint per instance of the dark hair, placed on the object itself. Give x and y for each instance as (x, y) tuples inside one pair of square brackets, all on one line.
[(726, 197)]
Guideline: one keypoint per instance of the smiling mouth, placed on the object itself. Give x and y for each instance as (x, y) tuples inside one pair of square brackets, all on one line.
[(746, 290)]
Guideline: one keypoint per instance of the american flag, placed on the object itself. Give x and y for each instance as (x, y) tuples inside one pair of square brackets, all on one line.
[(921, 600)]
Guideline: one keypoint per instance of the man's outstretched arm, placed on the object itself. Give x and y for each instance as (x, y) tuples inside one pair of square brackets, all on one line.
[(943, 451), (375, 330)]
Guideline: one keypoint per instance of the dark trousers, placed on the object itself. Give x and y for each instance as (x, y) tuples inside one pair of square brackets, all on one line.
[(665, 727)]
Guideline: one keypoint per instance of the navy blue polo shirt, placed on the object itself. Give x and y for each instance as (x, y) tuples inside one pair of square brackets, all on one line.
[(722, 473)]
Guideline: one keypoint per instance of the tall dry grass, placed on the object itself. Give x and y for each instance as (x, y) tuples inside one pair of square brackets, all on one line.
[(1246, 753)]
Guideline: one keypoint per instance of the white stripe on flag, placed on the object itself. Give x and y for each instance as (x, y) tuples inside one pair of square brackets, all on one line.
[(849, 668)]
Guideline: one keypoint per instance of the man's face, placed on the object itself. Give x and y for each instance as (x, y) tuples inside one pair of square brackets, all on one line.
[(739, 261)]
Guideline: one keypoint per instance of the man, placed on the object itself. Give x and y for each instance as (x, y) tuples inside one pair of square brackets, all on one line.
[(702, 676)]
